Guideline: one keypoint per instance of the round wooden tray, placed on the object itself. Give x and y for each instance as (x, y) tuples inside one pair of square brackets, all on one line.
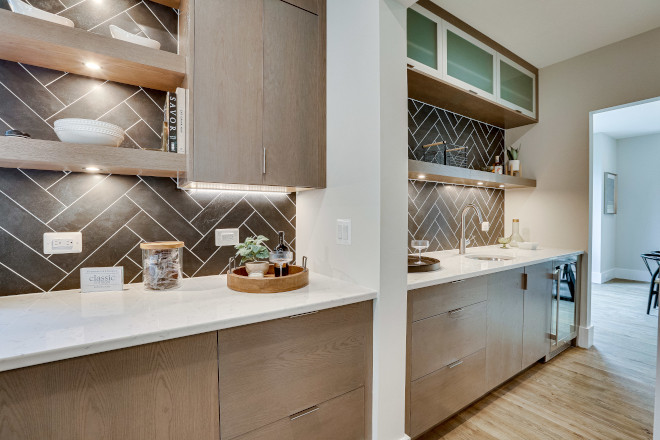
[(238, 280), (430, 264)]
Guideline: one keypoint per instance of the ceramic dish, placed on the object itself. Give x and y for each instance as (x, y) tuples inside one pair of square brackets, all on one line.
[(25, 9), (120, 34), (81, 134), (528, 245), (67, 122)]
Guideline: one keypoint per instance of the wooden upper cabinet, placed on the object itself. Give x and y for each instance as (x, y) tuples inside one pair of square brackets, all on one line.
[(258, 93)]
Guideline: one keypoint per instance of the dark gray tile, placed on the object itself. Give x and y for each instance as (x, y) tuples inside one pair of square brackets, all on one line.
[(179, 200), (98, 231), (131, 269), (148, 230), (166, 15), (97, 102), (43, 75), (148, 110), (52, 6), (271, 215), (227, 206), (90, 13), (164, 214), (157, 96), (44, 178), (20, 117), (123, 21), (122, 115), (218, 262), (70, 87), (21, 224), (74, 185), (3, 128), (153, 28), (28, 194), (144, 136), (13, 284), (91, 204), (28, 263), (190, 262)]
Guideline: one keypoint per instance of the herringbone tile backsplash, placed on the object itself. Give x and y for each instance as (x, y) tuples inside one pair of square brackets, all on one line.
[(114, 213), (434, 209)]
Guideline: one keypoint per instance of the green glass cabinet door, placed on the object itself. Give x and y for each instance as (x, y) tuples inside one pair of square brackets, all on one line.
[(469, 63), (517, 87), (424, 30)]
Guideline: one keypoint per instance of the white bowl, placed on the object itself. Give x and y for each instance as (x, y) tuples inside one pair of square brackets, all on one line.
[(528, 245), (91, 123), (123, 35), (81, 134), (25, 9)]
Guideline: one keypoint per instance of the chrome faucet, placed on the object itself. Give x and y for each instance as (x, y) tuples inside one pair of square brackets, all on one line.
[(484, 225)]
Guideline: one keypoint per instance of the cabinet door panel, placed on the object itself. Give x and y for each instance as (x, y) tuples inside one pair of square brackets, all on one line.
[(434, 300), (517, 87), (166, 390), (228, 92), (274, 369), (505, 326), (340, 418), (538, 300), (292, 103)]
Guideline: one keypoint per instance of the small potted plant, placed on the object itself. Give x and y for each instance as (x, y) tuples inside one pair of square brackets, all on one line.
[(514, 163), (251, 251)]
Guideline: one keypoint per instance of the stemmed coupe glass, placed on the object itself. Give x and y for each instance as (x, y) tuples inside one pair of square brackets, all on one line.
[(420, 245), (279, 259)]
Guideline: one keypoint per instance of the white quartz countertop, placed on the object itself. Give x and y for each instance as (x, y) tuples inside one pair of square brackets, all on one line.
[(45, 327), (458, 267)]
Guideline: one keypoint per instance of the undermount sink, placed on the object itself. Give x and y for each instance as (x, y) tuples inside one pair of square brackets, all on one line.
[(489, 257)]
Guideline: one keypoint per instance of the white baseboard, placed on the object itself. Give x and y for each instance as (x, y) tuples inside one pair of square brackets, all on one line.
[(603, 277), (405, 437), (633, 275), (585, 337)]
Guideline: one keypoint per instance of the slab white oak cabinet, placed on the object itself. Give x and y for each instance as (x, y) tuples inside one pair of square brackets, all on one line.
[(469, 336), (256, 81), (300, 377)]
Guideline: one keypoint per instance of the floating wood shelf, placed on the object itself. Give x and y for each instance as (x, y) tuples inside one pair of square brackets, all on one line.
[(60, 156), (41, 43), (463, 176), (171, 3), (439, 93)]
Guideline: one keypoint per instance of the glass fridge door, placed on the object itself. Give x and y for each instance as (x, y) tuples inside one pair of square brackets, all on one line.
[(564, 311)]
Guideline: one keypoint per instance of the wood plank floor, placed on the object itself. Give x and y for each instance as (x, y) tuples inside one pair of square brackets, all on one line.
[(606, 392)]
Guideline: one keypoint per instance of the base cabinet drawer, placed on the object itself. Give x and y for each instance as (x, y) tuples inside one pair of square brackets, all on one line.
[(440, 340), (273, 369), (430, 301), (440, 394), (342, 418)]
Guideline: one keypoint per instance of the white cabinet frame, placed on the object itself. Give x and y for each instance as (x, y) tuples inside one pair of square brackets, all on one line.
[(511, 105), (437, 71)]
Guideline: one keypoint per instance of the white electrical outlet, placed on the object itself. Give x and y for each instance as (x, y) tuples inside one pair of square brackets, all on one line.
[(226, 237), (344, 231), (62, 242)]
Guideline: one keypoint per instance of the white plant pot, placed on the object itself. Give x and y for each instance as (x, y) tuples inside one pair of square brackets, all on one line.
[(257, 269), (514, 165)]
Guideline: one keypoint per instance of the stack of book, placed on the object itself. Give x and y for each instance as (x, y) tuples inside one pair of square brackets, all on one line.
[(175, 123)]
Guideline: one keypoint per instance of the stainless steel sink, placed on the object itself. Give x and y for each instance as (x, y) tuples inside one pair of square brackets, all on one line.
[(489, 257)]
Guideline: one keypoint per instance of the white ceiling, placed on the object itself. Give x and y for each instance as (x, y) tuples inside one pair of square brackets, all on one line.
[(635, 120), (544, 32)]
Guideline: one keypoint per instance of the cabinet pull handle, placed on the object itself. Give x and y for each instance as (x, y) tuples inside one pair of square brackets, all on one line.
[(457, 281), (518, 111), (524, 281), (472, 91), (455, 364), (264, 167), (303, 412), (303, 314), (453, 312)]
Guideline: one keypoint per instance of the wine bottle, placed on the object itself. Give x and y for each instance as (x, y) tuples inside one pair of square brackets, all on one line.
[(498, 168), (281, 247)]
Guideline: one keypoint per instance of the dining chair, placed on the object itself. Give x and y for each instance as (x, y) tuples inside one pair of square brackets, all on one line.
[(654, 270)]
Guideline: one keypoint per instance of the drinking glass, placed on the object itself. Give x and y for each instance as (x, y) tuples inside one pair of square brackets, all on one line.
[(279, 259), (420, 245)]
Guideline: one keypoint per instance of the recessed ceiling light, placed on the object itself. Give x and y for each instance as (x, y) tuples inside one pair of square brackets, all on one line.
[(421, 176), (480, 183), (501, 186), (92, 66), (92, 169)]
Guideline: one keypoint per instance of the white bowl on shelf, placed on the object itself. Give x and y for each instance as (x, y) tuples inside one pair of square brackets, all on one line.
[(92, 123), (25, 9), (120, 34), (100, 133)]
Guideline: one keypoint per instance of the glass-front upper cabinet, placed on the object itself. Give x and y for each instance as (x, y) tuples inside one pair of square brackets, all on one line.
[(424, 40), (517, 87), (468, 63)]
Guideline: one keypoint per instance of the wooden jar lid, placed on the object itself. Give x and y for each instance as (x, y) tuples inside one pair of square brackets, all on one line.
[(159, 245)]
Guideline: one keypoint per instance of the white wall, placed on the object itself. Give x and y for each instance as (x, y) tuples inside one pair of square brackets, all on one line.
[(638, 218), (604, 226), (367, 178), (556, 150)]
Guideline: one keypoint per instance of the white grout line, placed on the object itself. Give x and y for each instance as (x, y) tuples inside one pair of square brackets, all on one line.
[(24, 209), (294, 228), (147, 214), (37, 183), (112, 18), (47, 89), (59, 77), (21, 276), (193, 199), (6, 123), (129, 136), (145, 122), (130, 250), (74, 202), (262, 217), (77, 99), (161, 23), (72, 6), (139, 273), (25, 104), (136, 92), (218, 222), (66, 173), (109, 206), (152, 100), (168, 204), (28, 246)]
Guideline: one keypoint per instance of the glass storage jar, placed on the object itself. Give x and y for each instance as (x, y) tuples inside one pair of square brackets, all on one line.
[(162, 263)]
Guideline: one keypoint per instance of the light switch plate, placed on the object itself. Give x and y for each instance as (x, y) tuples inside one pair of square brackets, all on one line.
[(226, 237), (343, 233), (62, 242)]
